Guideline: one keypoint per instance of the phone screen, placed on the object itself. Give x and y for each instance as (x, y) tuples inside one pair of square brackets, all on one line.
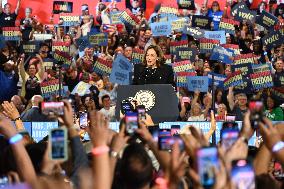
[(207, 160), (185, 100), (154, 130), (48, 108), (125, 107), (58, 144), (256, 109), (229, 137), (175, 130), (243, 175), (278, 172), (141, 113), (83, 119), (230, 125), (166, 142), (131, 119)]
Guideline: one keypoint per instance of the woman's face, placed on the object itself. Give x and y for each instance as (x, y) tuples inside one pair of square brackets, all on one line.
[(87, 100), (215, 7), (196, 111), (219, 97), (67, 38), (270, 103), (221, 109), (32, 70), (151, 58)]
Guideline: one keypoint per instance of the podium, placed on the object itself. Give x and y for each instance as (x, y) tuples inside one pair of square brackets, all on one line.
[(160, 100)]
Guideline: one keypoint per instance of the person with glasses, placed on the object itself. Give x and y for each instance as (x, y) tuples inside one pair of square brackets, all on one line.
[(215, 13), (238, 106)]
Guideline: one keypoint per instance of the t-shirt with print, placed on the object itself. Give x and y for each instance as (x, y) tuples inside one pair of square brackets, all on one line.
[(216, 18), (7, 20)]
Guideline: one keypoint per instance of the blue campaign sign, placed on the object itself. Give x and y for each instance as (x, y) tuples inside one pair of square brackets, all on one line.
[(218, 79), (27, 126), (199, 83), (222, 54), (161, 28), (218, 35), (121, 71), (2, 42), (41, 129), (99, 39)]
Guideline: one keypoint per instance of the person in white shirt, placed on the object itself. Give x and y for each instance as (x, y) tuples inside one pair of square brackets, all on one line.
[(108, 110)]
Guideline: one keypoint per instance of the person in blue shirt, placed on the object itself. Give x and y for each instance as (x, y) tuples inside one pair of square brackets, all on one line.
[(215, 13), (9, 78)]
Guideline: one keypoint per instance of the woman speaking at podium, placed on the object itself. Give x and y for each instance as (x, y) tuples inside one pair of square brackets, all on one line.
[(153, 70)]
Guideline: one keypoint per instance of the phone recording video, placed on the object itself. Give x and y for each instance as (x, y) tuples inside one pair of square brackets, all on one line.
[(207, 160), (256, 113), (242, 174), (278, 172), (131, 120), (230, 125), (166, 142), (154, 130), (83, 120), (126, 106), (175, 130), (52, 108), (58, 142), (141, 112), (229, 137)]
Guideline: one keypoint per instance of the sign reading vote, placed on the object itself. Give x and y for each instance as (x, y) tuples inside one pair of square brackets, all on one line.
[(272, 39), (221, 54), (121, 71), (194, 32), (62, 7), (217, 35), (241, 12), (267, 20), (161, 28), (41, 129), (197, 83)]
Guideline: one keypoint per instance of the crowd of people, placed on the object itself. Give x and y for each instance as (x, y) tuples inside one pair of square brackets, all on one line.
[(120, 160)]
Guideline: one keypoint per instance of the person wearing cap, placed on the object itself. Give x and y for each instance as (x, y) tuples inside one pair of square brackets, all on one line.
[(9, 78), (7, 18)]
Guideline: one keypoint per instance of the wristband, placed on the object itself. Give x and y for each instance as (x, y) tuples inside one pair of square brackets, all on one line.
[(100, 150), (16, 138), (18, 118), (278, 146), (161, 183)]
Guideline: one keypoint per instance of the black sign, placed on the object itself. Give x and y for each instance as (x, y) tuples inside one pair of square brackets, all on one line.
[(185, 53), (241, 12), (267, 20), (273, 39), (153, 98), (194, 32), (186, 4), (203, 22), (62, 7), (30, 47)]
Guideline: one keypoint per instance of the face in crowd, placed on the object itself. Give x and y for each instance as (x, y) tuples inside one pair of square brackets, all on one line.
[(242, 100), (32, 70), (279, 65), (7, 8), (28, 12), (128, 52), (151, 58)]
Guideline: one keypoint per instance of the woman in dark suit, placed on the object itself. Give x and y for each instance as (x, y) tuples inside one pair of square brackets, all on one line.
[(153, 70)]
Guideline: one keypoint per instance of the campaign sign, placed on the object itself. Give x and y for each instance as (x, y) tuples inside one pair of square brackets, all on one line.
[(82, 42), (168, 59), (273, 39), (223, 55), (194, 32), (217, 35), (61, 46), (234, 79), (2, 42), (41, 129), (81, 89), (233, 47), (69, 20), (161, 28), (228, 25), (30, 47), (261, 80), (267, 20), (164, 17), (50, 88), (244, 59), (207, 45), (197, 83), (65, 57), (11, 33), (114, 17), (181, 77), (177, 44), (261, 68), (203, 22), (178, 25), (103, 67), (137, 56), (241, 12), (218, 79), (185, 53), (128, 18), (121, 71), (62, 7), (168, 10), (182, 66), (99, 39), (186, 4), (245, 70)]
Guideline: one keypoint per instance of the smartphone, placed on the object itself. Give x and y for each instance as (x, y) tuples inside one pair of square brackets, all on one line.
[(207, 160), (278, 172), (256, 115), (141, 112), (229, 137), (242, 174), (185, 100), (154, 130), (175, 130), (164, 132), (126, 106), (166, 142), (52, 108), (131, 120), (83, 120), (58, 142), (230, 125), (4, 181)]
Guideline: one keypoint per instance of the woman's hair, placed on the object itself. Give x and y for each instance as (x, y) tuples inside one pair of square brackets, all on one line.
[(160, 55)]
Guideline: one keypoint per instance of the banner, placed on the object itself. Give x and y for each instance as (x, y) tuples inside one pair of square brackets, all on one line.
[(128, 18), (218, 79), (261, 80), (69, 19), (81, 89), (63, 56), (103, 67), (62, 7), (48, 63), (11, 33), (61, 46), (272, 39), (186, 4), (168, 10), (234, 79), (203, 22), (30, 47), (246, 70), (223, 55), (137, 56), (178, 25), (161, 28), (177, 44), (197, 83), (185, 53), (181, 77), (82, 43), (182, 66), (164, 17), (241, 12), (41, 129), (261, 68), (50, 88), (121, 71), (114, 17), (99, 39), (194, 32), (207, 45), (228, 25), (267, 20), (233, 47), (244, 59), (217, 35)]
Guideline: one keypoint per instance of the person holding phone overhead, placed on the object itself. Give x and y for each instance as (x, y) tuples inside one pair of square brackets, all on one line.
[(153, 70)]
